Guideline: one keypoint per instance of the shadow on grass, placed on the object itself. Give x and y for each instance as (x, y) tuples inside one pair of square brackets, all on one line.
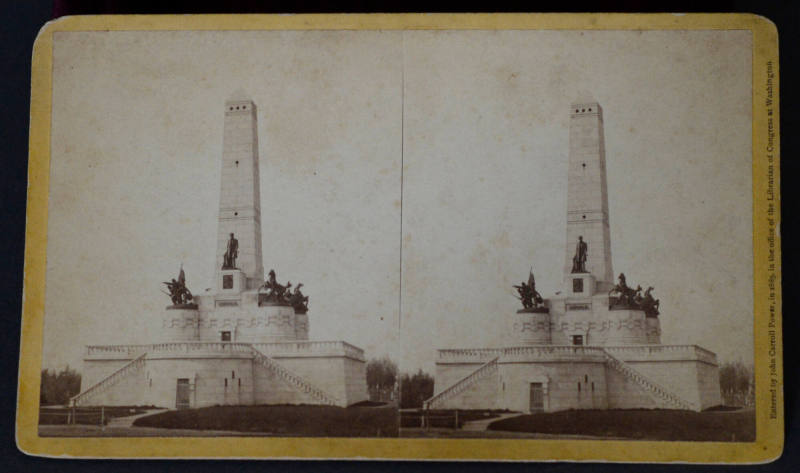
[(289, 420), (640, 424)]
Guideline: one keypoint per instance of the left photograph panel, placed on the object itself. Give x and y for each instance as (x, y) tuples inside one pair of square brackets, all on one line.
[(223, 241)]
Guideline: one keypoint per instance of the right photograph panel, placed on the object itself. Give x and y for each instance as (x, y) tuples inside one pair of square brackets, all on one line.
[(577, 251)]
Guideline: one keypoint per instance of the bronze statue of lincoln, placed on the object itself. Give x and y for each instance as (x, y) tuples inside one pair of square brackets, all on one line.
[(229, 259), (579, 260)]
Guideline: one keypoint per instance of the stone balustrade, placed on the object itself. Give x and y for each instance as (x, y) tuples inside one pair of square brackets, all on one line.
[(553, 353), (302, 348), (644, 352), (550, 352), (475, 354), (544, 351), (124, 351), (311, 348)]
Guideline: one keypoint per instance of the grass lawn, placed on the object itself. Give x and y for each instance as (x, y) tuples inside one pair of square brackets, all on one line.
[(642, 424), (308, 421)]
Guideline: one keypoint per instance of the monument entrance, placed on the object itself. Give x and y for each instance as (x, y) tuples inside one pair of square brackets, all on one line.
[(537, 398), (182, 394)]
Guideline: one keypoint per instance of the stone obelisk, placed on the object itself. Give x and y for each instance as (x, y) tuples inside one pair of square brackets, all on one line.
[(240, 197), (587, 195)]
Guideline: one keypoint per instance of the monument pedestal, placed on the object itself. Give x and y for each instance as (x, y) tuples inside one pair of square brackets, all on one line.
[(273, 323), (625, 327), (531, 326), (653, 330), (301, 326), (179, 324), (231, 281), (580, 285)]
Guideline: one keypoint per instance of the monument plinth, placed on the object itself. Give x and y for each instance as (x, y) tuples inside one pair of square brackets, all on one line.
[(231, 281), (624, 327), (652, 330), (178, 324), (531, 326), (301, 326), (534, 310), (580, 285)]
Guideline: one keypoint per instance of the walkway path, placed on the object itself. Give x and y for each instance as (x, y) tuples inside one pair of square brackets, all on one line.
[(127, 421), (97, 431), (483, 424)]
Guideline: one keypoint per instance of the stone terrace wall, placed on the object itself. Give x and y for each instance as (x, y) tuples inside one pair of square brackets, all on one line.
[(484, 393), (708, 382), (561, 379), (626, 394)]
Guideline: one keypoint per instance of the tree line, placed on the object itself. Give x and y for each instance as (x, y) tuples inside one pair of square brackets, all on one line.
[(57, 387), (386, 384), (737, 384)]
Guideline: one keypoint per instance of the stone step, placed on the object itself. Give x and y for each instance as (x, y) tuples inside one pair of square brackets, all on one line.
[(109, 381), (660, 394), (462, 384), (294, 379)]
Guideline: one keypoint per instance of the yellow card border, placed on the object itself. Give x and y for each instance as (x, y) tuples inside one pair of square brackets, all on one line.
[(766, 274)]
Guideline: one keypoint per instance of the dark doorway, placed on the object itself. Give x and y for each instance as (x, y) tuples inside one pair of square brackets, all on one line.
[(182, 394), (537, 397), (577, 339)]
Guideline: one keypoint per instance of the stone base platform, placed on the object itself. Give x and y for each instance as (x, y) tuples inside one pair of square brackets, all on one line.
[(557, 377), (199, 374)]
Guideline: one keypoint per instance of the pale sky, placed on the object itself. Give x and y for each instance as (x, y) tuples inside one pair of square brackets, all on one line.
[(479, 121)]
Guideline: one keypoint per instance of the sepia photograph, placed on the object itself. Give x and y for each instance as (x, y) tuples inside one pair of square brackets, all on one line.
[(381, 233)]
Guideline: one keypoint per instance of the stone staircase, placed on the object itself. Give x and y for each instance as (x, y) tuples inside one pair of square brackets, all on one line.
[(486, 369), (663, 397), (133, 366), (294, 379)]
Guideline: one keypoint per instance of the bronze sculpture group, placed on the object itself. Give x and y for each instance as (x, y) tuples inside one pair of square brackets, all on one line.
[(178, 291), (623, 296), (282, 294), (270, 291), (530, 298)]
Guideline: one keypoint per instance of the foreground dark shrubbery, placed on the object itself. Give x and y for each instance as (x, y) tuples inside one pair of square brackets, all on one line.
[(87, 415), (308, 421), (445, 418), (639, 424), (369, 404), (723, 408)]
